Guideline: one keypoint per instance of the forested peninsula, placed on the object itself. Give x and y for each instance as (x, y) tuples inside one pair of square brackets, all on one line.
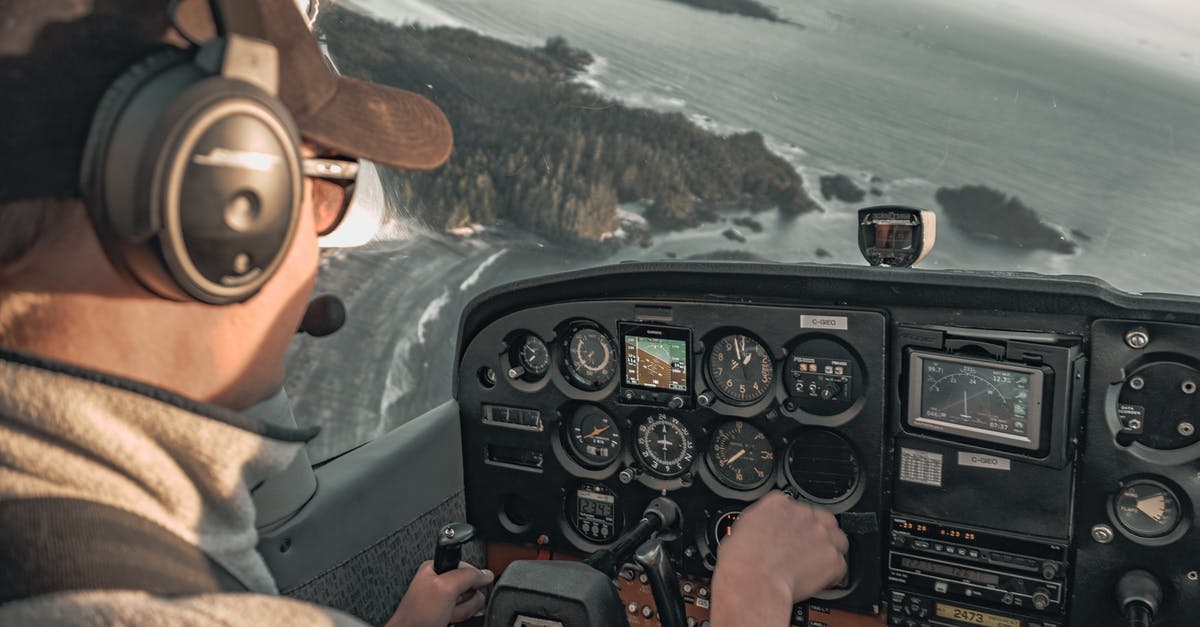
[(537, 147)]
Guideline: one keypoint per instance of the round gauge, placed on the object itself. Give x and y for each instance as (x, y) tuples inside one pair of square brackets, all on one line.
[(723, 525), (740, 369), (592, 511), (1147, 509), (593, 437), (664, 446), (740, 455), (822, 465), (591, 359), (533, 356), (822, 377)]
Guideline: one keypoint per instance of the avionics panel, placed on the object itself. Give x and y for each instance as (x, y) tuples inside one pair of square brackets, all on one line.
[(976, 399), (1053, 518)]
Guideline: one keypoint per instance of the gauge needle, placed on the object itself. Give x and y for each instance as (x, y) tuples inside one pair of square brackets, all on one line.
[(597, 431), (736, 456)]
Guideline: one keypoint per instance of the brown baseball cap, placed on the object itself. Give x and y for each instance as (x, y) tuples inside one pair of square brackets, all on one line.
[(57, 59)]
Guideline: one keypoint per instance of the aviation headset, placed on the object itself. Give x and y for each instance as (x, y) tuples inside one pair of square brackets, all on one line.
[(192, 169)]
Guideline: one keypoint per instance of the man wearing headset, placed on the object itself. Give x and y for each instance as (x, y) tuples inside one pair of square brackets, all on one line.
[(158, 246)]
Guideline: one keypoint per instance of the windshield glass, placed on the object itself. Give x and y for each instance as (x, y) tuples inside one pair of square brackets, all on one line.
[(1049, 136)]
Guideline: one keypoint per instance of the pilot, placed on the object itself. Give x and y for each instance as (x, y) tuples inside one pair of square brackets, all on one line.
[(124, 370)]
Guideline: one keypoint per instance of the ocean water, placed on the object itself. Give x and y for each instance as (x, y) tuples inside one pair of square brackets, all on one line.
[(917, 95), (1092, 138)]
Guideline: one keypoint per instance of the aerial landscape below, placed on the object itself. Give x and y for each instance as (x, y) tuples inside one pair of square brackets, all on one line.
[(535, 147)]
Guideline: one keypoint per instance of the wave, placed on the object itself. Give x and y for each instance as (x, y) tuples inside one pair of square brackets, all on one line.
[(474, 277), (409, 11), (431, 313), (590, 76)]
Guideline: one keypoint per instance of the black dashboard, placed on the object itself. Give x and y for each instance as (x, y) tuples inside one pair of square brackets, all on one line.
[(1003, 450)]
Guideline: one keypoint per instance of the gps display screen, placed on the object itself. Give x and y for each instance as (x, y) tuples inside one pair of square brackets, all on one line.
[(656, 357), (978, 399)]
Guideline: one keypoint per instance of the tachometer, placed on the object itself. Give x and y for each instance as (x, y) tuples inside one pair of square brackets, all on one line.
[(591, 360), (664, 446), (740, 369), (593, 437), (740, 455)]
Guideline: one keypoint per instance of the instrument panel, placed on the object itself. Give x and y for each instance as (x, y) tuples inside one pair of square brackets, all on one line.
[(632, 400), (1000, 450)]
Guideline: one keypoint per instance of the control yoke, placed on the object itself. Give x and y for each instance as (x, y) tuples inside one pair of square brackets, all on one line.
[(555, 593)]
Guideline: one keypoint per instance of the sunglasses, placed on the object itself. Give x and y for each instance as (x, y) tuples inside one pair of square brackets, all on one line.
[(333, 189)]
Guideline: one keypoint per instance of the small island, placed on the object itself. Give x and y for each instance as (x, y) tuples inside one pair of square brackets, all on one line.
[(840, 186), (537, 148), (748, 8), (986, 214)]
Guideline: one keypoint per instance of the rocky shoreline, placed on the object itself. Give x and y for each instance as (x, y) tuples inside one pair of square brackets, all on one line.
[(536, 147)]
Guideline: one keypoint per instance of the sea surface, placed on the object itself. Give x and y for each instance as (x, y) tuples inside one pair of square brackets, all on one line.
[(1098, 140)]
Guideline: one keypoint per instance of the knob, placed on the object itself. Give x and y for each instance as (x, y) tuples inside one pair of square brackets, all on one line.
[(705, 398), (676, 402), (831, 391), (516, 372), (1049, 570), (1041, 598), (450, 541), (627, 475), (1139, 596)]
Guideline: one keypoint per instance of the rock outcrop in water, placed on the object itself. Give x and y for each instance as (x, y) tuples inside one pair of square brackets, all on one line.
[(986, 214), (840, 186), (535, 147), (749, 8)]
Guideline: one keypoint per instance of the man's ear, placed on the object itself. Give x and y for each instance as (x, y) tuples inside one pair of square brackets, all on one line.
[(327, 200)]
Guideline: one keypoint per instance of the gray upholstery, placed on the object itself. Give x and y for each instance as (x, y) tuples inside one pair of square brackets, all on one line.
[(369, 585), (373, 519)]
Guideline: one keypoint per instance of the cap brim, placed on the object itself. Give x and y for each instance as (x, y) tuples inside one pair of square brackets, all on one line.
[(380, 123)]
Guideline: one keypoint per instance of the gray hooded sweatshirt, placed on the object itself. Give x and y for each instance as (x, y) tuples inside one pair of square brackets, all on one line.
[(72, 433)]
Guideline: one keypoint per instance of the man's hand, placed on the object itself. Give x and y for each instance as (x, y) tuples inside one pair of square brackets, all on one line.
[(781, 552), (436, 600)]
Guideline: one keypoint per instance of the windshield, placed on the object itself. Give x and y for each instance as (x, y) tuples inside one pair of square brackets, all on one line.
[(1049, 136)]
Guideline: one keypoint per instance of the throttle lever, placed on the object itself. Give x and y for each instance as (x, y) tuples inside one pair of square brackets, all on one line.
[(450, 541), (664, 583)]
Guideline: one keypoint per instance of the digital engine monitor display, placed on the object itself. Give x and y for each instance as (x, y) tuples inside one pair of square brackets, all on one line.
[(976, 399), (656, 358)]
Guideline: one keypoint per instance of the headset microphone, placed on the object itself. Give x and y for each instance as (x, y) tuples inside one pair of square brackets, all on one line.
[(325, 315)]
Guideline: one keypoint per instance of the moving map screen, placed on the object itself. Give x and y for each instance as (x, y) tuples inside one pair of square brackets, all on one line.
[(656, 357)]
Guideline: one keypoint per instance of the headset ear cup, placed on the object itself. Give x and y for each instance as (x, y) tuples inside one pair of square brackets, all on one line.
[(171, 236), (104, 122)]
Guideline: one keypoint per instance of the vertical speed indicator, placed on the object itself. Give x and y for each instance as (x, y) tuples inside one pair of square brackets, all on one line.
[(741, 456)]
